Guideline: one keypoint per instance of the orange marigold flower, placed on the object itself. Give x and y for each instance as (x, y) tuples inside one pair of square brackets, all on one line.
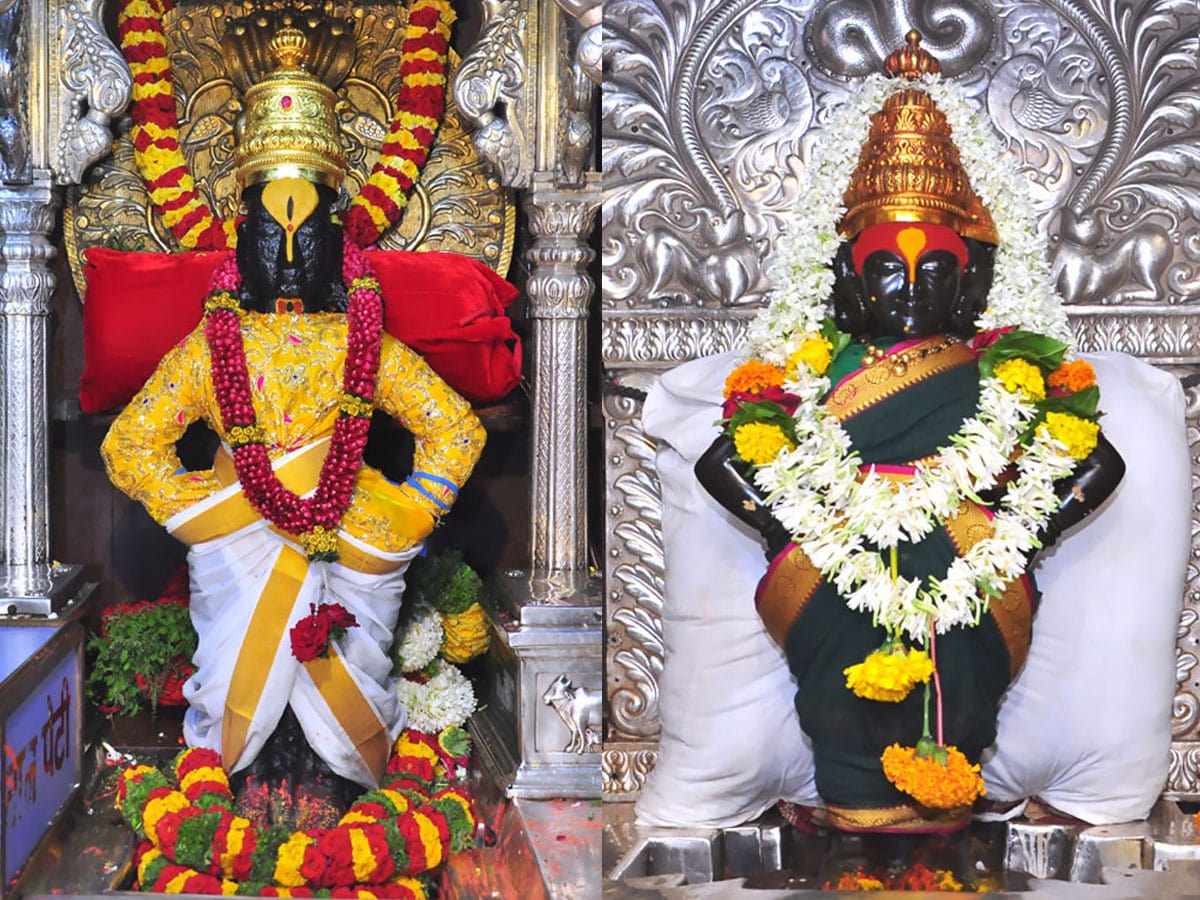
[(931, 782), (1073, 376), (753, 376)]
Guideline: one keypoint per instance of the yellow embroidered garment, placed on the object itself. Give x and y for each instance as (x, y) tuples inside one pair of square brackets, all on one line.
[(295, 364)]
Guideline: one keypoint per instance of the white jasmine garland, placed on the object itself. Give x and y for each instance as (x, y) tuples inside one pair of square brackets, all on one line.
[(423, 638), (445, 699), (818, 489)]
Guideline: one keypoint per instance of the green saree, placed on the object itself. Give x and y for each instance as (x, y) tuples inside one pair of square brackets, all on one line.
[(897, 411)]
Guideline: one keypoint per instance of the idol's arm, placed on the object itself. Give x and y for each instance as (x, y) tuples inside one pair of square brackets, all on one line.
[(1093, 480), (448, 436), (729, 482), (139, 449)]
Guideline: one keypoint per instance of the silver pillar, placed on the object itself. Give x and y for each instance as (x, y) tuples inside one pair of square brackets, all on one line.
[(560, 219), (27, 213)]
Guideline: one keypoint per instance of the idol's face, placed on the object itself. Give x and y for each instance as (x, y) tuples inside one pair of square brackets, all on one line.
[(272, 270), (916, 303)]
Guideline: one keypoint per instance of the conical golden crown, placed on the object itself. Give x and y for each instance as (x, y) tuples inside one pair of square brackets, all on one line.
[(290, 128), (909, 169)]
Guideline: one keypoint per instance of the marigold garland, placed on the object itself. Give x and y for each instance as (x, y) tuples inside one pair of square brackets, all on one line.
[(467, 634), (193, 843), (315, 518), (932, 782), (420, 103), (156, 145)]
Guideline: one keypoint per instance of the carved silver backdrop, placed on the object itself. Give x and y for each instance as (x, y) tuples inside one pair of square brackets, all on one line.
[(709, 111)]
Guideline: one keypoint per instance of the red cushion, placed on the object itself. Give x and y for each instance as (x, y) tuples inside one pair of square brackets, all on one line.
[(449, 308)]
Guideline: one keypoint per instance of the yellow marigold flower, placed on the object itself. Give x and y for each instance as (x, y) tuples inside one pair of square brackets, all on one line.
[(931, 783), (854, 881), (1073, 376), (467, 634), (419, 749), (289, 858), (147, 858), (1078, 435), (816, 353), (947, 882), (758, 443), (752, 376), (889, 676), (431, 840), (363, 858), (204, 773), (1022, 375), (159, 807), (416, 885)]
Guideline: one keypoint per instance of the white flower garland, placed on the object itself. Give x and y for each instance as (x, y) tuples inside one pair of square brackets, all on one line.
[(445, 699), (423, 638), (817, 490)]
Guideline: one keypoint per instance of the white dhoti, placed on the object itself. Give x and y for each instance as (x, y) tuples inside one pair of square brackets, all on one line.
[(250, 584)]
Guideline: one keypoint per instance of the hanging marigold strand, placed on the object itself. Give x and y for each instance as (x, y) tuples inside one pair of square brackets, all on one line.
[(156, 131), (420, 103), (314, 519)]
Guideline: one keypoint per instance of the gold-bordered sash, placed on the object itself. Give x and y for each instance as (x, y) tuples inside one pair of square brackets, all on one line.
[(785, 590), (299, 471), (1013, 611), (877, 382), (901, 818), (228, 510), (256, 657), (348, 705)]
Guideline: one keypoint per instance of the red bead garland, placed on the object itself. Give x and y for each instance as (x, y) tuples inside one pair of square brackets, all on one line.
[(316, 518)]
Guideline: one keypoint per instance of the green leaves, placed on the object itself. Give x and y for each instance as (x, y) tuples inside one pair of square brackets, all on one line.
[(1081, 403), (1044, 352), (446, 582), (840, 340), (139, 640), (767, 412)]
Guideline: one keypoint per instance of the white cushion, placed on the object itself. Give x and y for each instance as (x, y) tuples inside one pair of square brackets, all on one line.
[(731, 743), (1087, 723)]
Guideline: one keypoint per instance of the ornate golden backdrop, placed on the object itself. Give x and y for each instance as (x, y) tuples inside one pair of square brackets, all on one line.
[(456, 206)]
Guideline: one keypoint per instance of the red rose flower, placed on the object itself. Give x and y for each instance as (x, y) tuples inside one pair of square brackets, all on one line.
[(310, 638), (985, 339), (776, 394), (337, 615)]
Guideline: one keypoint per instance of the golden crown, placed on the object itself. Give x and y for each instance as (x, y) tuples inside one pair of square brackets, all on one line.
[(287, 61), (909, 168)]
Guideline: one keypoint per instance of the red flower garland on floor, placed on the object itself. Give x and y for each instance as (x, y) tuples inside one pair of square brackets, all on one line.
[(314, 519), (420, 103), (194, 843)]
